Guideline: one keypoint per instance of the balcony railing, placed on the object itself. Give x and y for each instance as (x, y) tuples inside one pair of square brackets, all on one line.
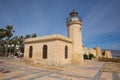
[(69, 19)]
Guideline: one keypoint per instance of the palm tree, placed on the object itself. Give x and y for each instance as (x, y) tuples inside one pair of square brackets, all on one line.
[(9, 34), (15, 43), (21, 43), (2, 35), (27, 36), (34, 35), (10, 48), (31, 36)]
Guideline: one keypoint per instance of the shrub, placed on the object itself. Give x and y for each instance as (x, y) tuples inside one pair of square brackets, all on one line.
[(91, 56), (85, 56)]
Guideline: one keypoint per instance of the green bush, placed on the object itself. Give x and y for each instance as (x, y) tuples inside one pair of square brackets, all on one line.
[(85, 56), (91, 56)]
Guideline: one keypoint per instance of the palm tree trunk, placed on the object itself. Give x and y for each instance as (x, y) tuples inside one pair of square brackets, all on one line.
[(6, 50), (14, 50)]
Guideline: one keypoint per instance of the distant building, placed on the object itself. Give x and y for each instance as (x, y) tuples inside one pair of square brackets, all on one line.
[(97, 52), (107, 54)]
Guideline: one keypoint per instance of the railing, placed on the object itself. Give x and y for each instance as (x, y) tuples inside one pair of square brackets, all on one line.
[(69, 19)]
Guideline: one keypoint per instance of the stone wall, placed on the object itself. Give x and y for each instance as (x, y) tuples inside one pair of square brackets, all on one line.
[(108, 54), (56, 52)]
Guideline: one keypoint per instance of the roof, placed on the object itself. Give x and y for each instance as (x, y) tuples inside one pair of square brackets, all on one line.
[(48, 38)]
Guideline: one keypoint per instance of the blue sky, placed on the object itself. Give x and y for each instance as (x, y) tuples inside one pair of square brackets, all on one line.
[(101, 19)]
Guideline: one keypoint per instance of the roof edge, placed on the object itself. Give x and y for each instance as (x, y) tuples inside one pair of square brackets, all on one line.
[(48, 38)]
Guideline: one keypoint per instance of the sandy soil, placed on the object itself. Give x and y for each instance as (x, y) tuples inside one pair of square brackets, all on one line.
[(113, 67)]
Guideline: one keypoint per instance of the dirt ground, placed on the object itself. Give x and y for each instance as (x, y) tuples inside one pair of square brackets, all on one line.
[(113, 67)]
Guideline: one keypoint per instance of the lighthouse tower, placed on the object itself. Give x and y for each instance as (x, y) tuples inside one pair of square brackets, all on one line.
[(74, 24)]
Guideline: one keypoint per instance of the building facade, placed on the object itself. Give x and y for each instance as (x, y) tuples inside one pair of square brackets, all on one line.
[(97, 52), (56, 49)]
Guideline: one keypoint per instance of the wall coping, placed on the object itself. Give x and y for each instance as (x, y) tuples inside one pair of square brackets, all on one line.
[(48, 38)]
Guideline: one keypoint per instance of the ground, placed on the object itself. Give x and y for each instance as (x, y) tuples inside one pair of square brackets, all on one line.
[(14, 69)]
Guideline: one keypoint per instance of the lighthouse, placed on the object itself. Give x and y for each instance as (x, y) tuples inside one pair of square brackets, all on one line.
[(74, 24)]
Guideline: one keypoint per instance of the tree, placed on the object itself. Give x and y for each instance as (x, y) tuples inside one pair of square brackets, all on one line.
[(85, 56), (34, 35), (9, 34), (2, 48), (91, 56), (30, 36), (2, 35), (21, 43), (15, 43), (27, 36)]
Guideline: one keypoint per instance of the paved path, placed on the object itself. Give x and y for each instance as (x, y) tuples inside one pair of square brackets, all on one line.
[(89, 70)]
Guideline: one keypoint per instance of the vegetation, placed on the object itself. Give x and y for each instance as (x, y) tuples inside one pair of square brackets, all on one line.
[(12, 45), (8, 33), (91, 56), (85, 56), (2, 35)]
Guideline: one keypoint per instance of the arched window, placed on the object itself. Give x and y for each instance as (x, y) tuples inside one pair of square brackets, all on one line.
[(66, 52), (30, 51), (45, 52)]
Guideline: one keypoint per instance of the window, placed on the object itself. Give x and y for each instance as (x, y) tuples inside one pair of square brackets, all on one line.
[(45, 52), (30, 51), (66, 52)]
